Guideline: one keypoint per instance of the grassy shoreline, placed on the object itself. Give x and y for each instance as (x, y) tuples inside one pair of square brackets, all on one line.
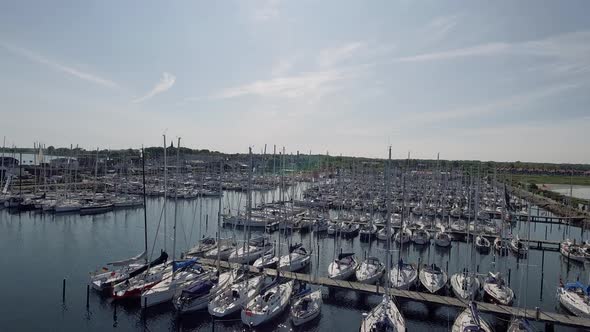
[(551, 179)]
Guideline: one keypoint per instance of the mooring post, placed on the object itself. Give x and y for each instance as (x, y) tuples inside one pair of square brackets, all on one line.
[(542, 273), (63, 291), (206, 220), (115, 315), (537, 313), (509, 276), (87, 296), (545, 232)]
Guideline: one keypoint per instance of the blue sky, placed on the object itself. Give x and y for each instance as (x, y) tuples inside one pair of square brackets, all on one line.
[(502, 80)]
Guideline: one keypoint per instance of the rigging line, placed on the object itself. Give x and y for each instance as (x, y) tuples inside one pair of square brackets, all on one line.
[(190, 238), (156, 234)]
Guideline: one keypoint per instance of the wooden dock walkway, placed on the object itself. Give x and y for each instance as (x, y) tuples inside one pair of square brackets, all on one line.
[(533, 314)]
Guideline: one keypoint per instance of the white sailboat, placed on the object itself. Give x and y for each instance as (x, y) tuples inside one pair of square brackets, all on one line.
[(343, 267), (182, 276), (470, 321), (197, 296), (496, 289), (234, 297), (306, 307), (370, 271), (465, 285), (433, 278), (267, 305), (442, 239), (575, 297), (384, 317), (297, 259)]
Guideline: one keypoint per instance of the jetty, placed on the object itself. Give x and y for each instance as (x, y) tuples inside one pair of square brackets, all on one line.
[(549, 318)]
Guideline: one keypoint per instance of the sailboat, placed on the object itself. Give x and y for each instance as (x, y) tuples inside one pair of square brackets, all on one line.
[(343, 267), (386, 315), (234, 297), (520, 325), (370, 271), (442, 238), (269, 304), (496, 289), (575, 297), (420, 236), (470, 321), (433, 278), (268, 260), (224, 249), (306, 307), (184, 274), (197, 296), (251, 251), (465, 285), (203, 246), (133, 287), (297, 259), (482, 244), (403, 236)]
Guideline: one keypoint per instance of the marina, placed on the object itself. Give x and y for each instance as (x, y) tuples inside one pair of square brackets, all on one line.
[(295, 166), (290, 214)]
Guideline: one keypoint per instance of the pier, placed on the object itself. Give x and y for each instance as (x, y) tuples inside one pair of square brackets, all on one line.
[(549, 318)]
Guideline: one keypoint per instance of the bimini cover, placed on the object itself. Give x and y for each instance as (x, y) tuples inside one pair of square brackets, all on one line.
[(183, 264), (577, 284)]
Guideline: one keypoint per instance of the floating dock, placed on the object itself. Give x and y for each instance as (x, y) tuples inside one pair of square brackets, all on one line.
[(549, 318)]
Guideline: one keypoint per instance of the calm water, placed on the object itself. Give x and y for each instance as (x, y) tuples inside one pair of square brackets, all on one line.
[(38, 251), (582, 192)]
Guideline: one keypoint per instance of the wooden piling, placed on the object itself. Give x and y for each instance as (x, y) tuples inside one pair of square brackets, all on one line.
[(63, 291), (87, 296)]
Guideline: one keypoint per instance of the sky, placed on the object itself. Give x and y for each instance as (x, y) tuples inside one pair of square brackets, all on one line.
[(488, 80)]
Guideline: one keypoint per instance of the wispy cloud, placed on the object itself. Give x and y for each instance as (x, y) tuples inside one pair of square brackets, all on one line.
[(439, 28), (500, 105), (32, 56), (305, 84), (570, 51), (165, 84), (477, 50), (331, 56)]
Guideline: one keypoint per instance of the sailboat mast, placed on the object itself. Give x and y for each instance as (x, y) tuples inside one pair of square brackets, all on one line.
[(219, 212), (165, 196), (144, 205), (387, 220), (249, 206), (176, 199), (2, 162)]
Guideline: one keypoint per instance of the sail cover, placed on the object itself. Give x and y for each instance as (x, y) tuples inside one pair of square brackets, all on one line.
[(183, 264), (140, 257)]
